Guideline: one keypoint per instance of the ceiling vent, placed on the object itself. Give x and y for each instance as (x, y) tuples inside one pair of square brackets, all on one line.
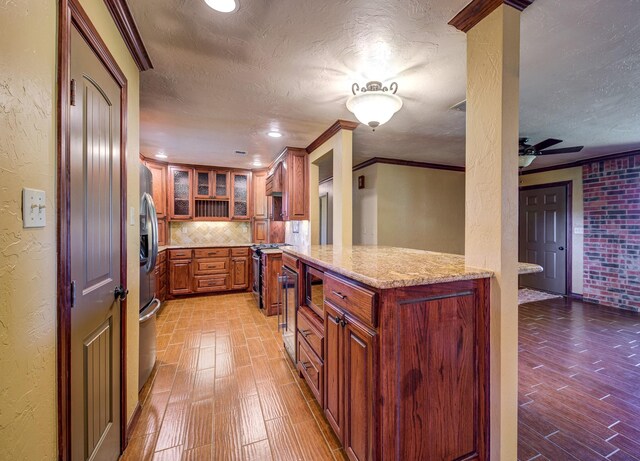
[(241, 152), (460, 107)]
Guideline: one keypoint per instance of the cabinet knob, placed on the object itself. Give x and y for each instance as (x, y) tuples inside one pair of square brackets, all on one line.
[(337, 319), (343, 323)]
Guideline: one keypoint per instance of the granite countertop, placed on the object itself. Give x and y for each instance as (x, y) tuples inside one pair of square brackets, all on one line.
[(271, 251), (388, 267), (203, 245)]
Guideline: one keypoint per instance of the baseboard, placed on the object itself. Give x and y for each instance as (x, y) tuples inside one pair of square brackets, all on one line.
[(132, 422), (576, 296)]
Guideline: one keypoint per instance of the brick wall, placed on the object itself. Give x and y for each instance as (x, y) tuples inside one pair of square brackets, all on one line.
[(612, 232)]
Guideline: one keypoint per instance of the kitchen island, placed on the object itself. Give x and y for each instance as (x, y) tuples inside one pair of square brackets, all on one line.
[(396, 349)]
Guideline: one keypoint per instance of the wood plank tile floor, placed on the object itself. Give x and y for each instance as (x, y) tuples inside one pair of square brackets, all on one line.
[(223, 388), (579, 382)]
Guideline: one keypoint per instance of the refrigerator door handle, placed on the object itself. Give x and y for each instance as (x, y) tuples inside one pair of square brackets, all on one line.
[(147, 202)]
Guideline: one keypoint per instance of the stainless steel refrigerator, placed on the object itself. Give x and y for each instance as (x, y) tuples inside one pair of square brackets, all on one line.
[(149, 304)]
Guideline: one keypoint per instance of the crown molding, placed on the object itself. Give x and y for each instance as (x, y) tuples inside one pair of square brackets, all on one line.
[(330, 132), (583, 162), (393, 161), (477, 10), (127, 26)]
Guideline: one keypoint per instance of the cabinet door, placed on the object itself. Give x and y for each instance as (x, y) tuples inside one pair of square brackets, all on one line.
[(159, 191), (240, 195), (239, 273), (180, 277), (296, 203), (180, 192), (358, 391), (220, 184), (260, 231), (333, 370), (162, 232), (202, 184), (259, 194)]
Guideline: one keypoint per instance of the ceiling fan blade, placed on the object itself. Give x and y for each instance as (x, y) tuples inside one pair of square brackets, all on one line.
[(546, 143), (564, 150)]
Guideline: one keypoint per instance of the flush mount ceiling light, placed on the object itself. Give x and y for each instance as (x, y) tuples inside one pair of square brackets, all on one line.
[(374, 104), (223, 6), (274, 134)]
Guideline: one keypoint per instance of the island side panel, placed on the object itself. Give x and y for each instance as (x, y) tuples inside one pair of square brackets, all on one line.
[(434, 363)]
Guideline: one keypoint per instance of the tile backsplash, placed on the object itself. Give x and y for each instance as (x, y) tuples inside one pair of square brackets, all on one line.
[(300, 238), (183, 233)]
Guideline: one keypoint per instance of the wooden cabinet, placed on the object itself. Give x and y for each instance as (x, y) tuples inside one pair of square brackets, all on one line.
[(239, 272), (161, 276), (295, 194), (259, 230), (211, 184), (240, 195), (259, 195), (271, 269), (159, 186), (333, 370), (180, 276), (162, 232), (274, 181), (180, 193)]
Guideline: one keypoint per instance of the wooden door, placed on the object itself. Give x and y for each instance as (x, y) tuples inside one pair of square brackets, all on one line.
[(239, 273), (220, 184), (159, 187), (180, 277), (260, 231), (259, 195), (296, 206), (162, 232), (358, 391), (180, 192), (333, 369), (95, 197), (202, 180), (543, 238), (240, 191)]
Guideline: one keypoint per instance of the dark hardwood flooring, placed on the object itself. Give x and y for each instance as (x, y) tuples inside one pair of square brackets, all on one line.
[(579, 382), (224, 390)]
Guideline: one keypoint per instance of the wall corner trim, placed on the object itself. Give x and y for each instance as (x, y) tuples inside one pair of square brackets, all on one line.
[(332, 130), (123, 18), (477, 10)]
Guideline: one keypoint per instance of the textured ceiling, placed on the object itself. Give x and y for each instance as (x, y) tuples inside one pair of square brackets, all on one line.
[(221, 82)]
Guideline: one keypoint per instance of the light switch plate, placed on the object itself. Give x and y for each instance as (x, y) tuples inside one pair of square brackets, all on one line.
[(578, 230), (295, 225), (34, 211)]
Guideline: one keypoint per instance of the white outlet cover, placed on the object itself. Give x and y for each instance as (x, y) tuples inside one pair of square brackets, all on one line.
[(34, 211), (578, 230)]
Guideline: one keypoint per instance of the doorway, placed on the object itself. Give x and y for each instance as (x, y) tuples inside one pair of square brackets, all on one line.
[(92, 257), (544, 223), (324, 219)]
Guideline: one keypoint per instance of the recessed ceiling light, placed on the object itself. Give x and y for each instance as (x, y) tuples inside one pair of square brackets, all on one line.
[(274, 134), (223, 6), (161, 155), (257, 163)]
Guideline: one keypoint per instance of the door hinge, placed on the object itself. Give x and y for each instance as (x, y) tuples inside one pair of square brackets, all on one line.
[(73, 293), (72, 92)]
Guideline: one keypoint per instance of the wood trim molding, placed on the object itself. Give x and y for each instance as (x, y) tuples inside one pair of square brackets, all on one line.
[(330, 132), (127, 26), (132, 422), (583, 162), (477, 10), (71, 14), (393, 161)]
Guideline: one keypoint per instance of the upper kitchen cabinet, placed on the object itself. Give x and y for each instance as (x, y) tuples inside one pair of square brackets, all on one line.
[(159, 186), (211, 184), (240, 193), (259, 195), (289, 179), (180, 193)]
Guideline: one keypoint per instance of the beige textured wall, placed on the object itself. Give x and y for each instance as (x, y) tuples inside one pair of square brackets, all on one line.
[(365, 207), (28, 32), (491, 207), (577, 213), (420, 208)]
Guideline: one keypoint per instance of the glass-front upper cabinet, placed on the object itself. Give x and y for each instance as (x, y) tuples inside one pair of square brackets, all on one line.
[(211, 184), (180, 192), (314, 290), (240, 199)]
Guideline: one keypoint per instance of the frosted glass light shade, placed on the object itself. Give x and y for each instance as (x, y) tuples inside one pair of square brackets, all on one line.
[(525, 160), (224, 6), (374, 108)]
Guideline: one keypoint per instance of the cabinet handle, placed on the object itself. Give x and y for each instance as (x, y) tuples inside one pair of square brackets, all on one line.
[(343, 323), (337, 319), (338, 294), (305, 333), (306, 365)]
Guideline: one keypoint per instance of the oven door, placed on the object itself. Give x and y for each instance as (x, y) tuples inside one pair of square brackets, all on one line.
[(288, 309), (255, 286)]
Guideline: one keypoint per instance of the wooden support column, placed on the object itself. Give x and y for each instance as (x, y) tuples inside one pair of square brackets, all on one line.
[(491, 224)]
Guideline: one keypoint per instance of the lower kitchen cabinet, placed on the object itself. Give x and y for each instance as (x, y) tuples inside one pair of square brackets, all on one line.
[(161, 276), (239, 272), (271, 269), (180, 276)]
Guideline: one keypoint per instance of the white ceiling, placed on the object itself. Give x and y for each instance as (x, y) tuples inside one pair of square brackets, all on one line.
[(221, 82)]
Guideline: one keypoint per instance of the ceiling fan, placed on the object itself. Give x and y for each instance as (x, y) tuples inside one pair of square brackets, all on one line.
[(527, 153)]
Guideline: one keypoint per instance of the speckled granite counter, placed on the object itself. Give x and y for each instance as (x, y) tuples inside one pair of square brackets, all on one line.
[(204, 245), (388, 267)]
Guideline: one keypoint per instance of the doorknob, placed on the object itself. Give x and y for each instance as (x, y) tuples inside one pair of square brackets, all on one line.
[(561, 248), (120, 293)]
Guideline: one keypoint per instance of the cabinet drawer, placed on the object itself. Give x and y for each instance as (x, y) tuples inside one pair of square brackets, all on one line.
[(211, 266), (162, 257), (351, 298), (212, 252), (312, 370), (240, 251), (211, 283), (180, 254), (310, 332), (290, 261)]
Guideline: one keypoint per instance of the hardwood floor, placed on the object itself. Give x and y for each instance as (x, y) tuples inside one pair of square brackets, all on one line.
[(224, 390), (579, 382)]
